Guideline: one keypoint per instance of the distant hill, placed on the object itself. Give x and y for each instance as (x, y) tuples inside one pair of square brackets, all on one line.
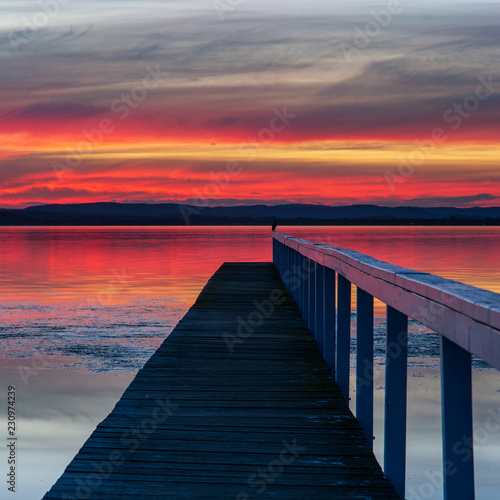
[(177, 214)]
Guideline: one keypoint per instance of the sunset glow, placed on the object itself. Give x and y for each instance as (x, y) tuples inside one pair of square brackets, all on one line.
[(121, 101)]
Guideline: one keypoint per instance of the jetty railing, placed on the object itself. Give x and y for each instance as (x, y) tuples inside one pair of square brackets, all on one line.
[(467, 319)]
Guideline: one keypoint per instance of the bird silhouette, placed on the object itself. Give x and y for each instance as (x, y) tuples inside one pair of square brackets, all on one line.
[(274, 225)]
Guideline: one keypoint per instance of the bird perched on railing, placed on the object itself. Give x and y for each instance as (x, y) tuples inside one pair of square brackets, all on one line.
[(274, 225)]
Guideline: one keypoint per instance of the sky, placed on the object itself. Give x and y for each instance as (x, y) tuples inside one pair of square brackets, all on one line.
[(247, 101)]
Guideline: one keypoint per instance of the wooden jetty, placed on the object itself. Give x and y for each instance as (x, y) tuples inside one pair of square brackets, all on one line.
[(238, 403), (248, 396)]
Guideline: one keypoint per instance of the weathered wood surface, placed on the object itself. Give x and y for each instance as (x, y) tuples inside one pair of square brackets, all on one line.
[(466, 315), (202, 421)]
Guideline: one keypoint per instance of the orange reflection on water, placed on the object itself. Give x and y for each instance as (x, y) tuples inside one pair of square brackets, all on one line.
[(98, 299), (116, 264), (466, 254)]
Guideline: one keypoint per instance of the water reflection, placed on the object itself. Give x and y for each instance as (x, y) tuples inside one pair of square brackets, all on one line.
[(83, 308)]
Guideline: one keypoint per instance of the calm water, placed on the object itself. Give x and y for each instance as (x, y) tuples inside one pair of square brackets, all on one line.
[(82, 309)]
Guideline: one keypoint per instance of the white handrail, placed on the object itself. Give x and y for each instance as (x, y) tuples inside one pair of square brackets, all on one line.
[(466, 315)]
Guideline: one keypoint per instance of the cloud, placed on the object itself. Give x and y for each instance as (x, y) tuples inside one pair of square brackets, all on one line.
[(452, 201), (55, 110), (226, 121), (224, 80), (245, 67)]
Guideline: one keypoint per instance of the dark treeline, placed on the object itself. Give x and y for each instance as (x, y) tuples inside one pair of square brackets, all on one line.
[(116, 214)]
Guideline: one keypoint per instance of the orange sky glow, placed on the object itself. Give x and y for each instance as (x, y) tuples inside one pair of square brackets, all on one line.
[(177, 107)]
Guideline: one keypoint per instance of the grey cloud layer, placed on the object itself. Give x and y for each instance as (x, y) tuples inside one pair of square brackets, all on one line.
[(423, 61)]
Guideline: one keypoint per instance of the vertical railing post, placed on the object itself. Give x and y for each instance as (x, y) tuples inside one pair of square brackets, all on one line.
[(277, 260), (301, 276), (288, 267), (282, 258), (456, 408), (364, 362), (282, 255), (279, 254), (283, 262), (293, 276), (307, 298), (396, 362), (287, 258), (343, 335), (320, 308), (296, 276), (312, 299), (330, 327)]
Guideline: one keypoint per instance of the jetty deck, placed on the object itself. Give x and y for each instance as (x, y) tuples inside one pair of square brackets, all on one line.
[(237, 403)]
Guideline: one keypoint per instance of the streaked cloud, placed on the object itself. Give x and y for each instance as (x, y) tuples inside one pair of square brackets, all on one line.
[(221, 81)]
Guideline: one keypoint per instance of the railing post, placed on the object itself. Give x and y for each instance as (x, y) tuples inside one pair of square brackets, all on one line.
[(275, 257), (343, 335), (364, 362), (456, 408), (296, 276), (302, 278), (320, 308), (301, 281), (293, 275), (307, 298), (283, 262), (287, 258), (396, 357), (312, 299), (278, 255), (330, 329)]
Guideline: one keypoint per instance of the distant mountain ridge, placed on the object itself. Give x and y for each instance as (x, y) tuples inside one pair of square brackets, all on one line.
[(111, 213)]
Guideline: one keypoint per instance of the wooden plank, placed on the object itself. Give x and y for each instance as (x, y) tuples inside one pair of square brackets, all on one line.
[(237, 403)]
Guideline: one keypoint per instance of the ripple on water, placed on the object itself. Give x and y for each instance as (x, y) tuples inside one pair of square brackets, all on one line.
[(112, 337)]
